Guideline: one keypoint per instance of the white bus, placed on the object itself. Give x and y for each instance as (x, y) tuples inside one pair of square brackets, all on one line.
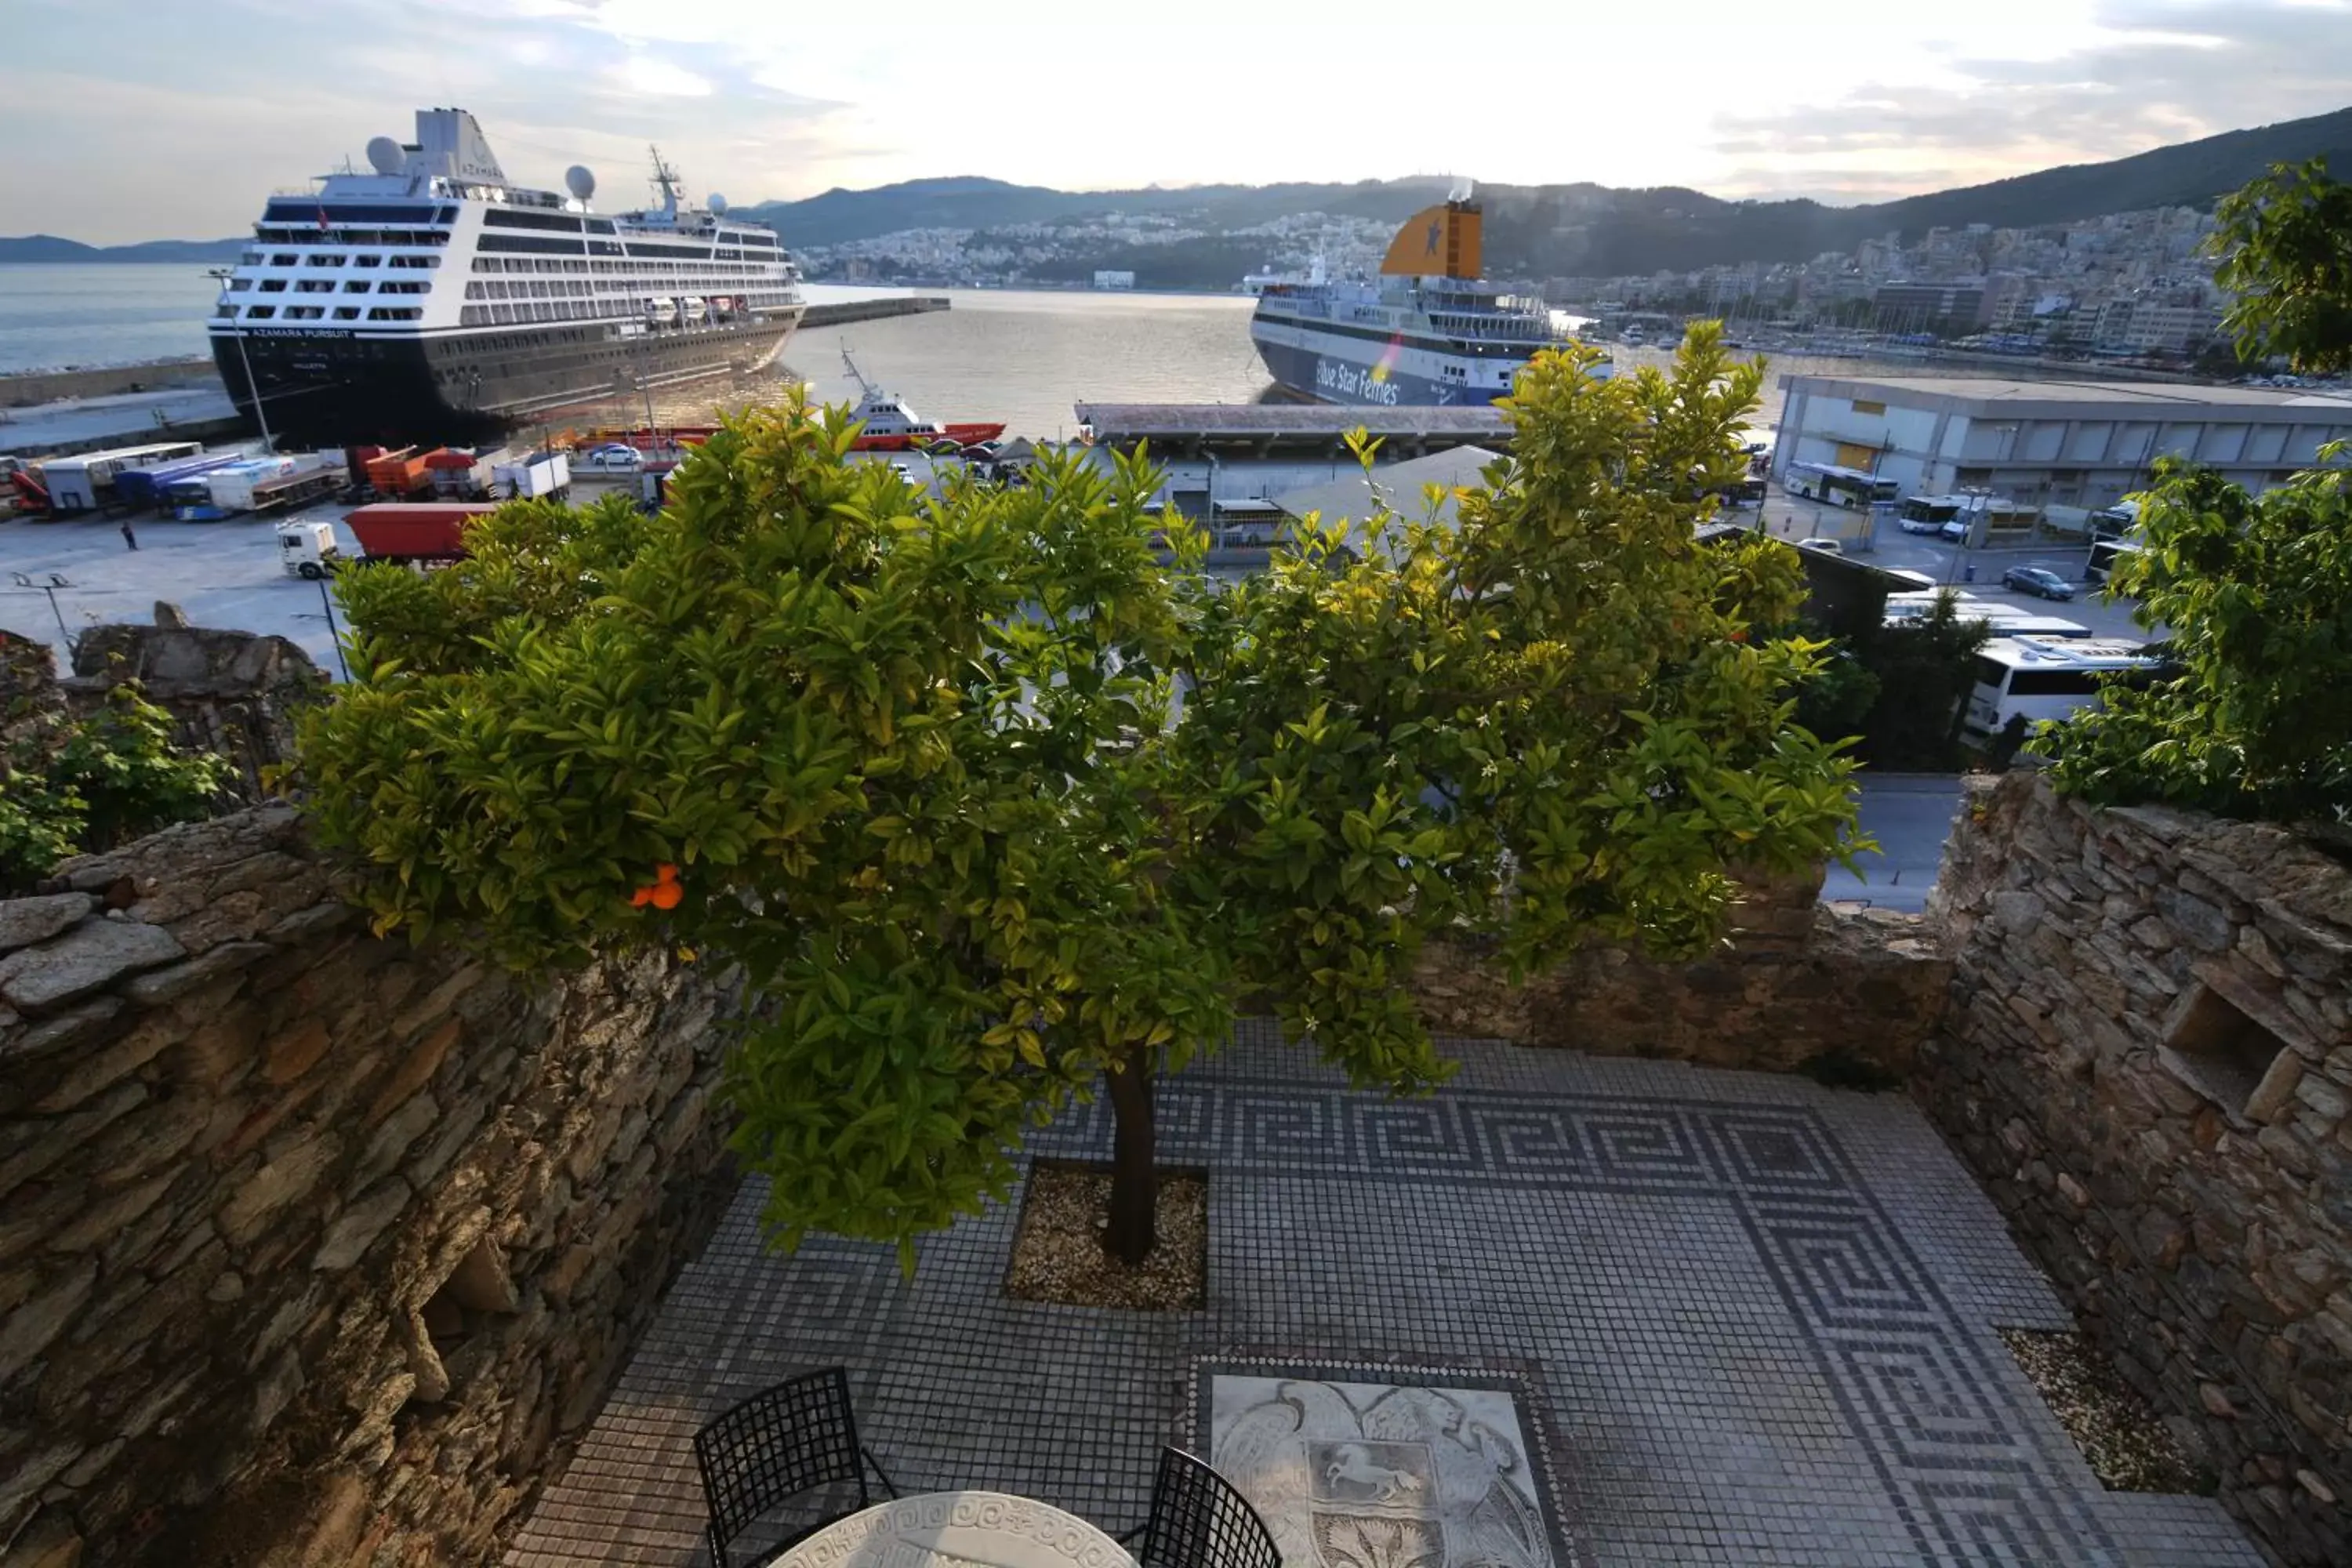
[(2004, 620), (1839, 487), (2106, 556), (2045, 677)]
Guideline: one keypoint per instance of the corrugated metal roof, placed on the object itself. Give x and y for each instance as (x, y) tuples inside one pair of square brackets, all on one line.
[(1129, 421)]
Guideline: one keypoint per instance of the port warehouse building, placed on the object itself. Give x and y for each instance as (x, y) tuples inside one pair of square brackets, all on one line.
[(2050, 443)]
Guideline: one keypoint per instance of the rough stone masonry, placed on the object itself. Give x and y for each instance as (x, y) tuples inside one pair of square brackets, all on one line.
[(316, 1248), (2149, 1062)]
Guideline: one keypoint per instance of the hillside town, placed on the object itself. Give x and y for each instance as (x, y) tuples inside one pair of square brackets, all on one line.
[(2133, 283), (2127, 284)]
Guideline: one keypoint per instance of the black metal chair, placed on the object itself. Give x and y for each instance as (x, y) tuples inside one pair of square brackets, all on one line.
[(1199, 1520), (795, 1437)]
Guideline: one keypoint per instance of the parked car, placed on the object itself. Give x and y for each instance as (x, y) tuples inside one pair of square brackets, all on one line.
[(1826, 546), (615, 456), (2037, 580), (1955, 530)]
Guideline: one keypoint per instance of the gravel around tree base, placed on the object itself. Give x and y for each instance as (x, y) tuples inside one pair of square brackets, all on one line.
[(2119, 1435), (1057, 1254)]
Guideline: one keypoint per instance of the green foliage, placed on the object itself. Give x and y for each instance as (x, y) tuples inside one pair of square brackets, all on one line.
[(1838, 701), (2285, 245), (984, 798), (1924, 669), (2253, 717), (73, 786)]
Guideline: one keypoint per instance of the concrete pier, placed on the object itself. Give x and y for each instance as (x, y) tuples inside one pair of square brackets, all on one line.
[(848, 311)]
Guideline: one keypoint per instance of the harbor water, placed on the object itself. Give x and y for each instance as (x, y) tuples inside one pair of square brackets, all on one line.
[(1020, 356)]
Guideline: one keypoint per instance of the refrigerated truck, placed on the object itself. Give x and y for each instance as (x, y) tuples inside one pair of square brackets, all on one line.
[(86, 482)]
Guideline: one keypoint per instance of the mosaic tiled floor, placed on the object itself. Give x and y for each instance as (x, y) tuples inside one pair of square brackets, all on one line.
[(1580, 1313)]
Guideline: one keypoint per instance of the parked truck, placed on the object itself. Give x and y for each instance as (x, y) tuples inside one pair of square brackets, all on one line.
[(532, 475), (411, 533)]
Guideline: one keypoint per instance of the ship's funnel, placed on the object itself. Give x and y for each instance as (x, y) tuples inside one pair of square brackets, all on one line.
[(1443, 241)]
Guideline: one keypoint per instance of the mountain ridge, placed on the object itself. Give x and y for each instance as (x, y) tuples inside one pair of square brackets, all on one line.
[(53, 250), (1583, 228), (1574, 229)]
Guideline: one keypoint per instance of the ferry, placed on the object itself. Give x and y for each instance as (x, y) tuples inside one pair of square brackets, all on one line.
[(1429, 330), (432, 300)]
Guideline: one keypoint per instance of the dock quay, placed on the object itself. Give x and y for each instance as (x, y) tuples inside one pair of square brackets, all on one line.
[(848, 311), (1234, 465), (1310, 432)]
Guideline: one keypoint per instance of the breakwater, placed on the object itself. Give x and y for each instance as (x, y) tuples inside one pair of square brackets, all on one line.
[(31, 388), (848, 311)]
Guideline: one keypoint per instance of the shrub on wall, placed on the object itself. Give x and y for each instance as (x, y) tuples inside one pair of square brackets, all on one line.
[(73, 785)]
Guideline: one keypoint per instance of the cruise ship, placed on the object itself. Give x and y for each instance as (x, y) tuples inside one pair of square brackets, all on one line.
[(1429, 329), (431, 300)]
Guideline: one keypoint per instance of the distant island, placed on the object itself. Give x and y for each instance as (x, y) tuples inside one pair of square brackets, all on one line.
[(51, 249)]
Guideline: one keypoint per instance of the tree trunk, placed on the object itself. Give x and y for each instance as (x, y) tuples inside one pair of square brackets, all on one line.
[(1134, 1179)]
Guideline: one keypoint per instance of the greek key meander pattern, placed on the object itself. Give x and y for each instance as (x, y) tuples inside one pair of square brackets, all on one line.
[(1910, 1380)]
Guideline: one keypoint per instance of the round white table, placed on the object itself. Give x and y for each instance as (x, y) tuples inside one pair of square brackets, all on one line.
[(958, 1529)]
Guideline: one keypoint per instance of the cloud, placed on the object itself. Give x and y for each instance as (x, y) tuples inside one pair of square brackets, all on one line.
[(658, 78), (2151, 74)]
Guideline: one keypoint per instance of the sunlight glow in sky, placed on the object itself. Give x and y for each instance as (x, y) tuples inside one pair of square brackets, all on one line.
[(151, 118)]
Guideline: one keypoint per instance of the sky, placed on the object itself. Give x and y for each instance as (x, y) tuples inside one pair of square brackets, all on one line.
[(170, 119)]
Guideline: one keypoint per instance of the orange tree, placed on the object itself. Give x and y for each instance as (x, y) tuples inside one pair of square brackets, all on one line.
[(993, 803)]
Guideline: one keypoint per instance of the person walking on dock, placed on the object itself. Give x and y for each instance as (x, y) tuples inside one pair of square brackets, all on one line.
[(128, 538)]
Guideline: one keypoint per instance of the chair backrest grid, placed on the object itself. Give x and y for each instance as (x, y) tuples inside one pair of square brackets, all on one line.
[(773, 1447), (1199, 1520)]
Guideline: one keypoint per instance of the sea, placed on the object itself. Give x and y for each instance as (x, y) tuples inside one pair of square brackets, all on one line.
[(1025, 357)]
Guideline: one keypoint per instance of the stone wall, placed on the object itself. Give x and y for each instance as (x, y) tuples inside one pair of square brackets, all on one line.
[(1844, 994), (234, 694), (317, 1249), (2148, 1063)]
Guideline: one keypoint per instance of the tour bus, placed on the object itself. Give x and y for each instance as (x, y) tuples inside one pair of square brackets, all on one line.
[(1839, 487), (2105, 557), (2003, 620), (1927, 514), (2045, 677)]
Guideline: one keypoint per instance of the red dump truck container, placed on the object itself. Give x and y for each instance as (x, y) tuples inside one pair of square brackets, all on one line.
[(398, 474), (423, 530)]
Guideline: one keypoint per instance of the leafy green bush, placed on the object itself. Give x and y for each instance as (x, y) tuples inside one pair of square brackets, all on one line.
[(2253, 716), (75, 785)]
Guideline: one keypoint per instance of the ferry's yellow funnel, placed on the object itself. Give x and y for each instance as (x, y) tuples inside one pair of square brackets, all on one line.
[(1443, 241)]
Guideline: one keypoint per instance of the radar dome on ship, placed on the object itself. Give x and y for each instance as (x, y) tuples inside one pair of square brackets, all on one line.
[(579, 181), (718, 203), (385, 155)]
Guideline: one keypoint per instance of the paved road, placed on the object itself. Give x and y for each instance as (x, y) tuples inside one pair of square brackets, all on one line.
[(222, 573), (1945, 563), (1910, 815)]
